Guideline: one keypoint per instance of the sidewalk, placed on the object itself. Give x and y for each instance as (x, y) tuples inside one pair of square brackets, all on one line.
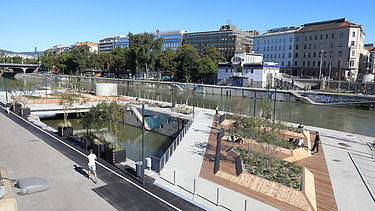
[(187, 160)]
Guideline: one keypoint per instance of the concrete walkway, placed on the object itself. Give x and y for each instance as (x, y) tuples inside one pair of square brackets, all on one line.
[(27, 151), (186, 162)]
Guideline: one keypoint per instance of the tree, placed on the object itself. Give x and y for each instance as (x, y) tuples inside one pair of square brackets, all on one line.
[(166, 62), (144, 50), (206, 67), (80, 58), (104, 60), (66, 101), (186, 62), (213, 54)]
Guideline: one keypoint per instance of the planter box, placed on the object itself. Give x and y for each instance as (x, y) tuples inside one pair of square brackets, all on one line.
[(65, 131), (115, 156), (100, 149), (25, 112), (86, 143), (16, 108)]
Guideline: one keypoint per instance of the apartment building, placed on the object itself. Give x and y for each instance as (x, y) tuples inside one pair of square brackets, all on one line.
[(228, 40), (371, 60), (331, 49), (277, 45), (107, 44)]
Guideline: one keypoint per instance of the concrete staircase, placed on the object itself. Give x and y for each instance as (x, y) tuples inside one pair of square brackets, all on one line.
[(306, 98), (139, 116)]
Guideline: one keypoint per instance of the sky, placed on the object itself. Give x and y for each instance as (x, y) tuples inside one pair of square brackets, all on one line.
[(27, 24)]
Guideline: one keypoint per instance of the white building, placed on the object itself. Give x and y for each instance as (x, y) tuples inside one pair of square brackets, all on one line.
[(371, 61), (247, 69), (277, 46)]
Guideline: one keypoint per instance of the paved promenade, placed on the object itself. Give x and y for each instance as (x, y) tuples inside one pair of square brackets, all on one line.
[(350, 167), (26, 151)]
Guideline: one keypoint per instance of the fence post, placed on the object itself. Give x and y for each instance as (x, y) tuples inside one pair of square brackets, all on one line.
[(217, 194), (245, 204), (174, 177)]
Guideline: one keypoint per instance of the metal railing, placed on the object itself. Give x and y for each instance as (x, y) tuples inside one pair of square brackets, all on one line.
[(157, 164)]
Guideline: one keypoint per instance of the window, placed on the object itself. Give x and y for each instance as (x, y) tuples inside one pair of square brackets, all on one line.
[(353, 34), (352, 43), (275, 41), (303, 63), (320, 54), (271, 48), (279, 56), (340, 53), (321, 36), (268, 41), (268, 48), (314, 54), (283, 55), (284, 48), (282, 63), (304, 47), (308, 63), (339, 63), (296, 55), (290, 47), (318, 63), (271, 56), (264, 48), (275, 56), (280, 48), (264, 41), (305, 38), (296, 47), (271, 41), (351, 63), (342, 34), (291, 39), (332, 35), (309, 55), (331, 44), (284, 39), (326, 45), (309, 46), (295, 63), (320, 45), (288, 63), (310, 37), (297, 39), (326, 36), (325, 54), (330, 54), (353, 52), (314, 45), (324, 63), (304, 55), (316, 37), (341, 44), (290, 55), (313, 63), (268, 56)]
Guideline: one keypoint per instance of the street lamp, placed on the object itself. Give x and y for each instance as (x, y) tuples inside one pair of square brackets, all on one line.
[(143, 142), (321, 61)]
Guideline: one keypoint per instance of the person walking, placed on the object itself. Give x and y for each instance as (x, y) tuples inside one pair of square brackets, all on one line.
[(316, 143), (217, 109), (92, 166)]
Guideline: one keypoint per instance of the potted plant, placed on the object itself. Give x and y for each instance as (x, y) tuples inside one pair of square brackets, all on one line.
[(65, 129), (14, 87), (99, 146), (27, 91), (116, 113)]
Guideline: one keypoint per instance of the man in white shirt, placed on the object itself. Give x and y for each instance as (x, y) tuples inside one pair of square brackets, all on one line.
[(92, 167)]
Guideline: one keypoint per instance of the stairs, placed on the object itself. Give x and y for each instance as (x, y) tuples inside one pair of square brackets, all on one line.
[(139, 116), (306, 98)]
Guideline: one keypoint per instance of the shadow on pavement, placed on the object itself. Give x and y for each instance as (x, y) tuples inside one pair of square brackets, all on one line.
[(81, 171)]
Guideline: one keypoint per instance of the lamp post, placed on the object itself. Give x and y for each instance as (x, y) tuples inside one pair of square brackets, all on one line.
[(193, 99), (320, 69), (143, 143), (340, 75), (274, 107)]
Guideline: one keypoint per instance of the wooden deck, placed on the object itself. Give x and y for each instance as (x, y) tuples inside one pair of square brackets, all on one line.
[(316, 164)]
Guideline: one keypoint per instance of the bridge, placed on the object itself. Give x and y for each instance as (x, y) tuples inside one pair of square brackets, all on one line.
[(21, 68)]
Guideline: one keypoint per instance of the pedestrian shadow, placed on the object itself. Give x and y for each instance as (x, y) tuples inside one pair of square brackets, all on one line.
[(81, 171)]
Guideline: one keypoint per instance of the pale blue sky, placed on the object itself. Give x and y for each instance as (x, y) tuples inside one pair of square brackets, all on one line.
[(26, 24)]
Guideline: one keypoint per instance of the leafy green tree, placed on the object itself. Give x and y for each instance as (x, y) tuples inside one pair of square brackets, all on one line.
[(104, 60), (80, 58), (213, 54), (166, 62), (206, 67), (186, 62), (144, 50)]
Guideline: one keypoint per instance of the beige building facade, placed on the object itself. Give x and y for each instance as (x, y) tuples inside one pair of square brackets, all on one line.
[(333, 49)]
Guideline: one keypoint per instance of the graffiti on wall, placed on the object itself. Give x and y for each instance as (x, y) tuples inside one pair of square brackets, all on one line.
[(335, 98)]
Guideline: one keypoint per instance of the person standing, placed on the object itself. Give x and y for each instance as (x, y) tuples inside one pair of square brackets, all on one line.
[(92, 166), (217, 109), (316, 143)]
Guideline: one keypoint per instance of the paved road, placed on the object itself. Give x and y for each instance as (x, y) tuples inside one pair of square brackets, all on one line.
[(27, 151)]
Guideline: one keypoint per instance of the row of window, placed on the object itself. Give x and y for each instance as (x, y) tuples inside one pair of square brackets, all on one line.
[(308, 55), (271, 41), (211, 40), (315, 37), (172, 40)]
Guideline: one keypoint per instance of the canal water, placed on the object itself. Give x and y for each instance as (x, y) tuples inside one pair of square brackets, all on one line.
[(131, 140), (342, 119)]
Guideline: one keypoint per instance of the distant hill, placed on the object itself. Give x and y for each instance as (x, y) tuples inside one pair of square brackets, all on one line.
[(39, 53)]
